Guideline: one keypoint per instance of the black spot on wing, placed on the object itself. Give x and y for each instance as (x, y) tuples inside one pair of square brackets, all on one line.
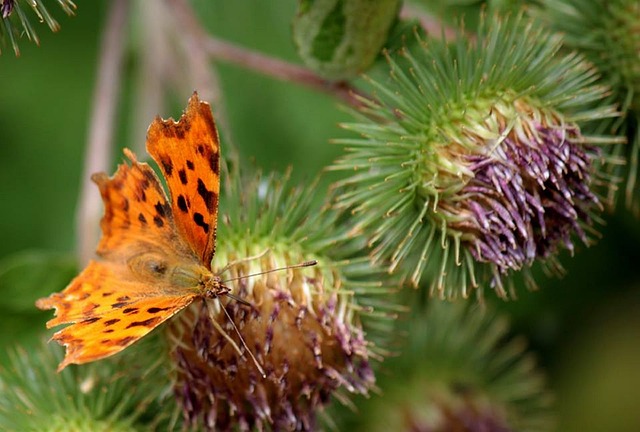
[(157, 309), (190, 165), (142, 219), (199, 220), (90, 320), (162, 212), (214, 162), (208, 196), (149, 178), (161, 209), (167, 165), (130, 311), (183, 176), (158, 221), (146, 323), (125, 204), (140, 195), (125, 341), (123, 298), (111, 321), (171, 129), (182, 204), (118, 305)]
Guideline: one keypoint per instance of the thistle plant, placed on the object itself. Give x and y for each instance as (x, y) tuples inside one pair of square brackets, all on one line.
[(613, 46), (472, 163), (302, 326)]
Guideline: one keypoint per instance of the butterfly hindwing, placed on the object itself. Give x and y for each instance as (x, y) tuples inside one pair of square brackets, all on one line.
[(109, 308), (188, 153)]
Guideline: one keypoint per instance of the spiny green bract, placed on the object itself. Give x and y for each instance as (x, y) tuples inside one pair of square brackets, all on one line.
[(119, 395)]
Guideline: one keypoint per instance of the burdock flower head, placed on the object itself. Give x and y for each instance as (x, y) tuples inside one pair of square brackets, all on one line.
[(302, 325), (472, 163)]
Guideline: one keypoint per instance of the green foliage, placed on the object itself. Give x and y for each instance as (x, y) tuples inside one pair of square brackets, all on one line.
[(612, 45), (36, 272)]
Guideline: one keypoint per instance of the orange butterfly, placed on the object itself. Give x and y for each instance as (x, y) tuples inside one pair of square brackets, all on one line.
[(154, 256)]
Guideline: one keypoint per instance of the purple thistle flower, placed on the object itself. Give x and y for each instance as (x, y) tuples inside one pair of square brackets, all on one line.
[(529, 195)]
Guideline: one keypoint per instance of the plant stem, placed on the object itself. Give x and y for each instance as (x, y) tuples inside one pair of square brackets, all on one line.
[(203, 76), (192, 36), (266, 65), (101, 129), (279, 69)]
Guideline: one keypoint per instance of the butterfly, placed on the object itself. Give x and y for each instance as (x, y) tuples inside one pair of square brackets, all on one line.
[(154, 256)]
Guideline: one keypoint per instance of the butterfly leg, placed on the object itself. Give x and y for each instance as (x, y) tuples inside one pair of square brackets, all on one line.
[(224, 334)]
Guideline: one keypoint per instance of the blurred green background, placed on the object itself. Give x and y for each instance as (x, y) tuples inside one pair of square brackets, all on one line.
[(585, 327)]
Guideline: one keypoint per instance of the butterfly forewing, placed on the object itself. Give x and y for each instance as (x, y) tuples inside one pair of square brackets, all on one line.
[(137, 215), (131, 289), (188, 154)]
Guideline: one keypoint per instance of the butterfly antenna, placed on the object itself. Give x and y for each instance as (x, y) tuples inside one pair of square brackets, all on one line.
[(295, 266), (232, 342), (240, 261)]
